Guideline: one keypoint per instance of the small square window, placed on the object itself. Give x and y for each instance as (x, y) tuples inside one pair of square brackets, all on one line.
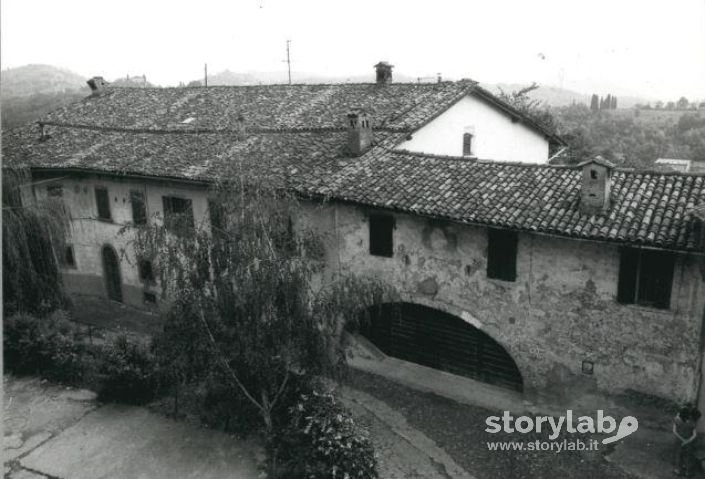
[(146, 271), (381, 235), (55, 191), (149, 298), (68, 260)]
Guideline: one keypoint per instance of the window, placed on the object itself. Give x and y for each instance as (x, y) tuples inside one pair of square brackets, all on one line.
[(149, 297), (467, 144), (645, 277), (139, 207), (102, 201), (381, 235), (146, 271), (216, 214), (68, 259), (502, 254), (177, 212), (55, 191)]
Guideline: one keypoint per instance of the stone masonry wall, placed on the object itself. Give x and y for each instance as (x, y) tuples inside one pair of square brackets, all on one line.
[(561, 310)]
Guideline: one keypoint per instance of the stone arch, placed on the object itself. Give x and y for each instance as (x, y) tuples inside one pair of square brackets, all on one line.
[(436, 338)]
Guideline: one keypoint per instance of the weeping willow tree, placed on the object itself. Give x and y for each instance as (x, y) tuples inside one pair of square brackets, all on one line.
[(31, 233), (251, 297)]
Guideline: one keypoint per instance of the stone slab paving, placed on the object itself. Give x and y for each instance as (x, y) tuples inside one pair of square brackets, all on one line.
[(57, 432), (122, 441)]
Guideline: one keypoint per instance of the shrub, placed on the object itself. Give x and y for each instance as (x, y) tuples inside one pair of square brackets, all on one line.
[(50, 347), (128, 372), (322, 440)]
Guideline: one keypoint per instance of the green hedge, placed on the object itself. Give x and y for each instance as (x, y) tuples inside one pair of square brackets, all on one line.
[(322, 440)]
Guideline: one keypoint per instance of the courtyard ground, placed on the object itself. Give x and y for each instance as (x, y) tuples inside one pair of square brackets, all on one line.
[(58, 432), (62, 433)]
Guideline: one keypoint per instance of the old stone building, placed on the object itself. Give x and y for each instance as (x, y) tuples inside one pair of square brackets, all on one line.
[(539, 278)]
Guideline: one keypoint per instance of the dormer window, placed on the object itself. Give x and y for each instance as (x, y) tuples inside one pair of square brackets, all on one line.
[(467, 144)]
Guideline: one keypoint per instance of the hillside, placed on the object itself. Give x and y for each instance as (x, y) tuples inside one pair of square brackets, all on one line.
[(39, 79), (30, 91)]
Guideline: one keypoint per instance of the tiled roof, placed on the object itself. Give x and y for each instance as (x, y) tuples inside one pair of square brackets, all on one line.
[(401, 106), (309, 157), (296, 132), (647, 208)]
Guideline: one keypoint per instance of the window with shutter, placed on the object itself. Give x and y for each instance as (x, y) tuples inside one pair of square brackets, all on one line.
[(502, 254), (645, 277), (139, 207), (102, 200), (381, 235), (177, 212)]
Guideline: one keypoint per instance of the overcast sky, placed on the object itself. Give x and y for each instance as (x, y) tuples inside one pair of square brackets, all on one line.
[(651, 48)]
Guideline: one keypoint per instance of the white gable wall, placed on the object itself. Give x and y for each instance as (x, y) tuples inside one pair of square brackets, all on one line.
[(495, 136)]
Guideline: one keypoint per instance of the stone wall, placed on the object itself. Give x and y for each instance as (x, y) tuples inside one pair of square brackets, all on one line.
[(561, 310)]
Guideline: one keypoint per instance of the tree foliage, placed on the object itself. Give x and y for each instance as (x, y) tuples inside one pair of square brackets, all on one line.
[(631, 138), (31, 233), (251, 297)]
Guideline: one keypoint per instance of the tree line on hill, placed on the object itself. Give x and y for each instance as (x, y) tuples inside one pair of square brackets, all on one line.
[(603, 103), (680, 105)]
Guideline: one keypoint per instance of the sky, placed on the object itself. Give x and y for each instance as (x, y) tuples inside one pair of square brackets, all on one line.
[(649, 48)]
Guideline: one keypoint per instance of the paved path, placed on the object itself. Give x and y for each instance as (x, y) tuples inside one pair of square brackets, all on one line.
[(404, 452), (55, 432)]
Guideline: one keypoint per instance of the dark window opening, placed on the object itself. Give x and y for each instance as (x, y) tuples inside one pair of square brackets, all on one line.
[(645, 277), (381, 235), (146, 271), (216, 215), (502, 254), (149, 297), (68, 258), (178, 212), (139, 207), (102, 201), (593, 174), (467, 144), (55, 191)]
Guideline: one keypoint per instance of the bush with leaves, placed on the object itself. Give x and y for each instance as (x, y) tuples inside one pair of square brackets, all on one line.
[(128, 370), (49, 346), (322, 440)]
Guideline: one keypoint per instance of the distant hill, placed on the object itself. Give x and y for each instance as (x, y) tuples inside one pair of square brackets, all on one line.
[(30, 91), (557, 97), (34, 79)]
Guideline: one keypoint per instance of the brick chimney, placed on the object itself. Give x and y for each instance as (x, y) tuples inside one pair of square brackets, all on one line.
[(595, 185), (98, 85), (384, 73), (359, 132)]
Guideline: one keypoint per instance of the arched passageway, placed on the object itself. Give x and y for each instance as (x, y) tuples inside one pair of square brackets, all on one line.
[(436, 339)]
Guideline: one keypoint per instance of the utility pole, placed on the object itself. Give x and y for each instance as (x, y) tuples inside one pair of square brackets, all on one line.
[(205, 75), (288, 60)]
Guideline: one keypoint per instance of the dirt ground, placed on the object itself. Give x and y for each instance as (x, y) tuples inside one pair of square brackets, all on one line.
[(459, 431)]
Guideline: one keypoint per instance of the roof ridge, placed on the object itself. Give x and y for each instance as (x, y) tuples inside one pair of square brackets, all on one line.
[(157, 88)]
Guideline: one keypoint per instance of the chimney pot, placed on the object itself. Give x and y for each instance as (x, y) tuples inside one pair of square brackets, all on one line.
[(360, 134), (384, 72), (98, 85), (596, 182)]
